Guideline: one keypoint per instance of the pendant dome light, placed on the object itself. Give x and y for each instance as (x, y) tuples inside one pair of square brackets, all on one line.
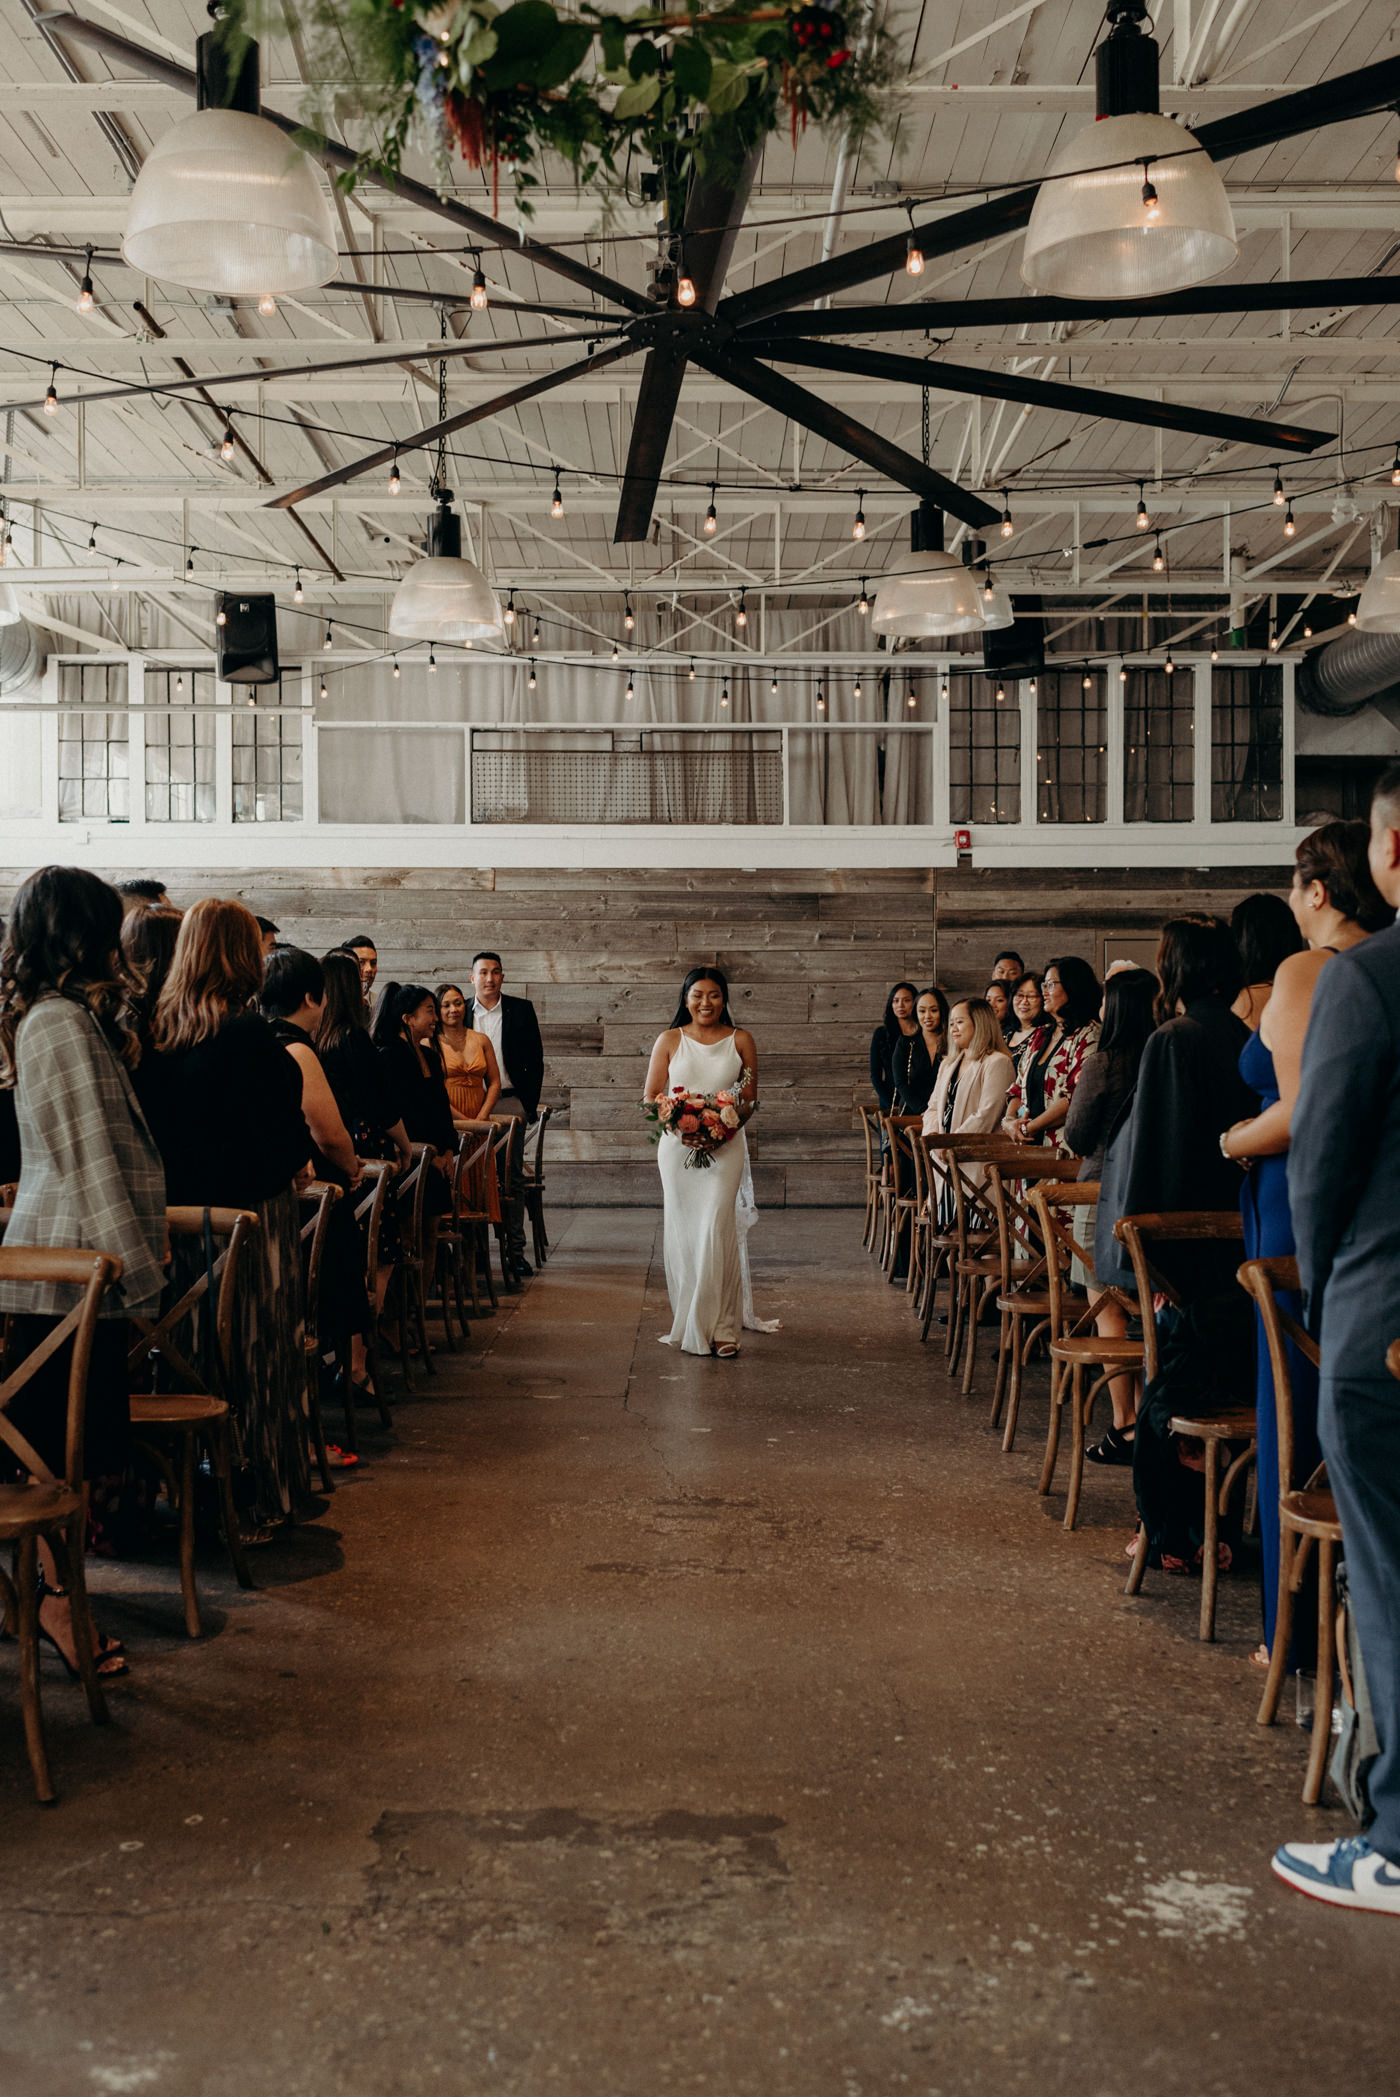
[(932, 592), (1378, 609), (225, 202), (443, 597), (1132, 206)]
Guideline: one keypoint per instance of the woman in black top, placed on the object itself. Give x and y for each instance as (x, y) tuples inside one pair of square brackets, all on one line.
[(405, 1024), (355, 1071), (897, 1027), (915, 1061)]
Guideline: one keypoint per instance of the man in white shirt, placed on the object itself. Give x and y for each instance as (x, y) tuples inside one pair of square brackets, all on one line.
[(511, 1027)]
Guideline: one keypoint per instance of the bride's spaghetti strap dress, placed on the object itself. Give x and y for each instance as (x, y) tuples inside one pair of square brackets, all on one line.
[(703, 1270)]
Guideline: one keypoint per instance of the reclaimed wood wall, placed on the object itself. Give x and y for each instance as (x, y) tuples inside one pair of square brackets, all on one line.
[(810, 956)]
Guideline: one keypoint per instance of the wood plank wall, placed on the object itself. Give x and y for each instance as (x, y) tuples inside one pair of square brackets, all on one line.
[(810, 956)]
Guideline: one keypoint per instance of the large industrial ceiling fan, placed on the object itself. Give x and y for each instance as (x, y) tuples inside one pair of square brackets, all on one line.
[(739, 338)]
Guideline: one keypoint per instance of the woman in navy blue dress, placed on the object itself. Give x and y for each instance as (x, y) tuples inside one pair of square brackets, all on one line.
[(1335, 904)]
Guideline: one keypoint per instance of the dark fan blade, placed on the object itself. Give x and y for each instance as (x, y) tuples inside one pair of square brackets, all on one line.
[(716, 204), (1354, 94), (937, 315), (440, 351), (516, 398), (818, 416), (331, 155), (1048, 393)]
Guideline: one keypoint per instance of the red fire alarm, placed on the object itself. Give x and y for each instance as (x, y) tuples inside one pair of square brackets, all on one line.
[(962, 840)]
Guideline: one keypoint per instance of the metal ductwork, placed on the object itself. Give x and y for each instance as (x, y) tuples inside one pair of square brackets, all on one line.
[(1357, 670), (22, 654)]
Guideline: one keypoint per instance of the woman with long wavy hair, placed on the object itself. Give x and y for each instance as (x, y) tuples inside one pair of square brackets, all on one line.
[(90, 1172)]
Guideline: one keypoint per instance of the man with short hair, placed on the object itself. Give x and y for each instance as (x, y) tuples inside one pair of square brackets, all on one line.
[(1008, 967), (143, 895), (268, 933), (367, 956), (1343, 1170), (513, 1031)]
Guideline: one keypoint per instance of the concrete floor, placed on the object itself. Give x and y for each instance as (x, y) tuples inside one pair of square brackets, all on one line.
[(631, 1724)]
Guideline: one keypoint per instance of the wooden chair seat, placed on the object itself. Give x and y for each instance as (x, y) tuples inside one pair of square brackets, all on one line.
[(1236, 1426), (1312, 1513), (1126, 1354), (1033, 1303), (176, 1409), (22, 1506)]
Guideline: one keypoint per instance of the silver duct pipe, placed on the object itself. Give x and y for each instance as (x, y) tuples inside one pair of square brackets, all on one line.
[(22, 655), (1357, 670)]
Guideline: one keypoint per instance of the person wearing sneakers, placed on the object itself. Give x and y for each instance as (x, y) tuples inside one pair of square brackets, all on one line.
[(1342, 1169)]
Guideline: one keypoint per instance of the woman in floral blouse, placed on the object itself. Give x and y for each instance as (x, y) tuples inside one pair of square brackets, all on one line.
[(1049, 1065)]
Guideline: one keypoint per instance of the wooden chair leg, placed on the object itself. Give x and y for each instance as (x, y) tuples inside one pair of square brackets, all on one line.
[(484, 1257), (1283, 1631), (228, 1513), (1210, 1547), (1139, 1565), (188, 1590), (401, 1302), (318, 1425), (977, 1297), (1020, 1347), (1321, 1748), (27, 1610), (1078, 1404), (70, 1553), (999, 1387), (420, 1314), (1058, 1375)]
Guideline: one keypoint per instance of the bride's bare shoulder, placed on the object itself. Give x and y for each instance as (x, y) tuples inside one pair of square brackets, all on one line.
[(743, 1041)]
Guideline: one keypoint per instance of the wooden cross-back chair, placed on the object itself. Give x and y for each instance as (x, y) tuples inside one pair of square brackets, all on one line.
[(1307, 1515), (899, 1190), (1023, 1299), (50, 1506), (533, 1183), (376, 1178), (1214, 1430), (1075, 1348), (458, 1242), (870, 1130), (509, 1135), (316, 1202), (193, 1413), (472, 1212), (409, 1284), (968, 1250)]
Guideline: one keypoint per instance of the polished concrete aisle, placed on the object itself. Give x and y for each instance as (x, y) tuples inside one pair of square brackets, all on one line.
[(632, 1723)]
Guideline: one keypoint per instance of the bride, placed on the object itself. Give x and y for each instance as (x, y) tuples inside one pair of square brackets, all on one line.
[(704, 1051)]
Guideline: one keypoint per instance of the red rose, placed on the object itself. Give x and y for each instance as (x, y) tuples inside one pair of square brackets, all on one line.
[(837, 58)]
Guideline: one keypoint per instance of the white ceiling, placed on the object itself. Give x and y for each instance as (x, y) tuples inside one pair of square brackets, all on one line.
[(148, 476)]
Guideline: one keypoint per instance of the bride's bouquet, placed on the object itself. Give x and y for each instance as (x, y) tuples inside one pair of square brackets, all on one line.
[(708, 1119)]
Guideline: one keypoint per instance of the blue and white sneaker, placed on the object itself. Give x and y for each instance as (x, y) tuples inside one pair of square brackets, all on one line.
[(1348, 1874)]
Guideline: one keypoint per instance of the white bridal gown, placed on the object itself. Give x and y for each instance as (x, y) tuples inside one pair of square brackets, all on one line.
[(706, 1261)]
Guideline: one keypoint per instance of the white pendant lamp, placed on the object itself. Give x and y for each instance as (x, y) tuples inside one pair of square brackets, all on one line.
[(1132, 206), (10, 613), (443, 597), (1378, 610), (932, 592), (225, 202)]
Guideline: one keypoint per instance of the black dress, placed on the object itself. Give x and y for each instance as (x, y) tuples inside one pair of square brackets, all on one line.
[(359, 1076), (424, 1107), (914, 1072), (344, 1300)]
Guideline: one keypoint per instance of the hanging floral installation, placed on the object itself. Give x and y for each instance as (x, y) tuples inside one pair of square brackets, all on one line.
[(500, 87)]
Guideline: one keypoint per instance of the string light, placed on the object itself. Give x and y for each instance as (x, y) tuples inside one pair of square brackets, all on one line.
[(685, 289), (988, 593), (855, 689), (858, 528), (92, 540), (395, 482), (1034, 687), (85, 297), (509, 614), (1278, 489), (821, 700), (724, 696), (1289, 527), (1123, 674), (226, 448), (51, 397), (1087, 682), (221, 617), (910, 699), (773, 689), (1144, 522), (323, 691), (615, 654), (327, 644), (1170, 667), (556, 507), (711, 520), (432, 660), (1395, 469), (691, 678), (179, 682), (943, 689), (1158, 557), (1007, 527), (189, 562), (298, 594), (629, 618), (630, 692), (535, 635), (531, 680), (1150, 204), (1001, 694), (396, 669), (913, 253), (1351, 618), (741, 616), (1214, 652), (480, 300), (1307, 633), (267, 304), (864, 605)]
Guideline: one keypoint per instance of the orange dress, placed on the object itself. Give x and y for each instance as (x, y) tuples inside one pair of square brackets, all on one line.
[(467, 1080)]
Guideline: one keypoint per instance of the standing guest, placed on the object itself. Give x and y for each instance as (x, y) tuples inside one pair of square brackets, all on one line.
[(1341, 1184), (143, 895), (235, 1137), (1265, 929), (1008, 967), (1333, 905), (1101, 1099), (1049, 1067), (969, 1093), (514, 1033), (268, 934), (1027, 1011), (149, 938), (367, 959), (898, 1025), (90, 1173), (999, 998), (916, 1060), (1166, 1156), (468, 1059)]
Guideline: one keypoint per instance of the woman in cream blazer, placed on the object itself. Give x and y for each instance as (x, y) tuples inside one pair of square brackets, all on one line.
[(969, 1096)]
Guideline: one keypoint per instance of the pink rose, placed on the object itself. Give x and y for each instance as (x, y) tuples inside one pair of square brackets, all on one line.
[(729, 1115), (711, 1120), (724, 1099), (689, 1124)]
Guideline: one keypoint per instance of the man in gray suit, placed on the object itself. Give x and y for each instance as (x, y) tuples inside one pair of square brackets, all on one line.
[(1344, 1191)]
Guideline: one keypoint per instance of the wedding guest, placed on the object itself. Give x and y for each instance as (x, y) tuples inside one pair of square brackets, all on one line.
[(1265, 930), (367, 960), (355, 1071), (268, 933), (1008, 967), (404, 1032), (148, 948), (512, 1029), (998, 996), (1027, 1011), (468, 1060), (916, 1060), (143, 895), (90, 1175), (969, 1093), (1049, 1066), (236, 1138), (1342, 1170), (898, 1025), (1333, 904)]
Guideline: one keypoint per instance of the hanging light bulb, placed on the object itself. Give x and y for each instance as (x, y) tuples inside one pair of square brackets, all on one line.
[(92, 540), (685, 290), (298, 594), (323, 691), (1214, 652), (432, 658), (1351, 618), (1289, 527), (480, 298), (943, 689), (444, 597), (1159, 561), (189, 563), (711, 520), (773, 689), (225, 202), (855, 689), (821, 702), (267, 305), (396, 669), (988, 587), (85, 297), (1086, 682), (1395, 469), (1001, 694), (1007, 527), (741, 616), (864, 604), (629, 618), (535, 632), (1169, 666), (691, 678), (1144, 522), (1123, 675), (724, 696), (531, 680), (1098, 230), (1278, 489), (556, 507), (1307, 633), (395, 480), (615, 654), (226, 448), (221, 617), (509, 613), (630, 693), (51, 397), (328, 643), (858, 528), (913, 253), (1273, 642), (910, 699)]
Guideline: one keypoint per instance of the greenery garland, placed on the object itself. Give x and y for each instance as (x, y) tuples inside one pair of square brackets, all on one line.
[(692, 90)]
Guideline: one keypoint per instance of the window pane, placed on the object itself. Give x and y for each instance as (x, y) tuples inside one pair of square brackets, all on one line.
[(1159, 717), (1246, 724), (1071, 747), (984, 749)]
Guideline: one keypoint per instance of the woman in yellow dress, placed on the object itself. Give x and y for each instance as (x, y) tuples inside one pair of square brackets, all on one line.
[(473, 1078)]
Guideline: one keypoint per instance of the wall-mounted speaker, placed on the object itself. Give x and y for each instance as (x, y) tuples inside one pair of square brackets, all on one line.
[(247, 641), (1017, 650)]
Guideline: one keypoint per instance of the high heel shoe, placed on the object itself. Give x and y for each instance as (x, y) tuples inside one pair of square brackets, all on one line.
[(110, 1654)]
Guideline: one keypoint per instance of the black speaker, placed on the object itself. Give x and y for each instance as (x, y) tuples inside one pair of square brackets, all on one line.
[(246, 643), (1017, 650)]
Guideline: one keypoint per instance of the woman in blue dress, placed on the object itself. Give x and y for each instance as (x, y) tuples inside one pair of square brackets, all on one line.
[(1335, 903)]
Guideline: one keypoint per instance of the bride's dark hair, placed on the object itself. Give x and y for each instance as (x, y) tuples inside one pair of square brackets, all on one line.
[(702, 975)]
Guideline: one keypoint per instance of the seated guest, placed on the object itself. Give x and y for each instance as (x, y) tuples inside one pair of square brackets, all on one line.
[(1265, 930), (1336, 905), (1100, 1100), (1027, 1012), (999, 998), (898, 1025), (143, 895), (90, 1174), (235, 1137), (148, 947), (469, 1063), (916, 1061), (1341, 1183), (1049, 1066), (355, 1071), (1008, 967), (969, 1093), (367, 959), (268, 934), (1165, 1155), (404, 1032)]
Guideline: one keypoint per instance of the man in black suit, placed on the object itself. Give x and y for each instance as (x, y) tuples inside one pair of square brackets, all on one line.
[(1343, 1175), (512, 1029)]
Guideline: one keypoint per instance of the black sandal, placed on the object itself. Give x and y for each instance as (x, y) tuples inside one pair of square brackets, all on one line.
[(1115, 1447), (108, 1649)]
